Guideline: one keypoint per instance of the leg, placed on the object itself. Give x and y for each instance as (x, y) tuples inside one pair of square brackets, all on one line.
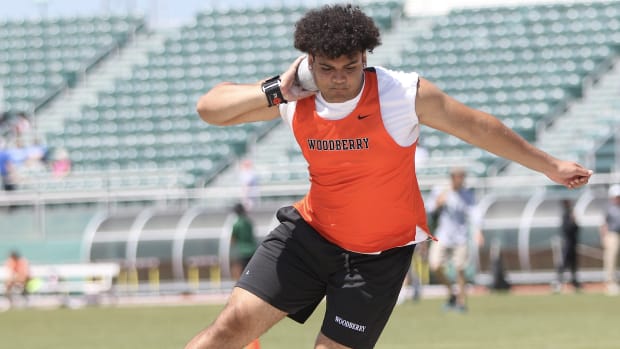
[(460, 259), (561, 267), (15, 286), (610, 256), (416, 276), (573, 259), (244, 318), (323, 342), (564, 263), (437, 261), (461, 296), (361, 298), (8, 290)]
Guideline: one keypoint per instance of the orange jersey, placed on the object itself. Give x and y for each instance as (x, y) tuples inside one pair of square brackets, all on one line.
[(364, 194)]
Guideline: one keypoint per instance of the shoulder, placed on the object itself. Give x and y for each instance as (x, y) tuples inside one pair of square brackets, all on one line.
[(390, 79), (438, 189)]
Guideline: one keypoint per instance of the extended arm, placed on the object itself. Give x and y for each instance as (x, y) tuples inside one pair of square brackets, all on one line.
[(440, 111)]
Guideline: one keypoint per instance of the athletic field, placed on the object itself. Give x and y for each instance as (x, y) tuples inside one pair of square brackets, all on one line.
[(566, 321)]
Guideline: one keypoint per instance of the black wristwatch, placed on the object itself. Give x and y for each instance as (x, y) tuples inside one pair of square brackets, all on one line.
[(271, 88)]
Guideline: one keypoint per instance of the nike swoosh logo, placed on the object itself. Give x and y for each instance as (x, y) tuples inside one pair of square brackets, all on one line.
[(362, 116)]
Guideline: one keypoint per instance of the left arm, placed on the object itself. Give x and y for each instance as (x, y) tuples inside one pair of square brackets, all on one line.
[(438, 110)]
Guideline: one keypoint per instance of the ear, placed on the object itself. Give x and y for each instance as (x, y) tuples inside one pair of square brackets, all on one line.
[(310, 61), (364, 59)]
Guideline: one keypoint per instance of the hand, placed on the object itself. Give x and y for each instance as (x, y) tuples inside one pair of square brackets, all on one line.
[(288, 85), (442, 198), (479, 238), (570, 174)]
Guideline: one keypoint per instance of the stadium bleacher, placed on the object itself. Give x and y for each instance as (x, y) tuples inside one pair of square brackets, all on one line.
[(40, 57), (522, 64), (149, 121)]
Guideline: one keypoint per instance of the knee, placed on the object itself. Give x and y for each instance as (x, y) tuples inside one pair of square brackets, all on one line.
[(322, 342), (231, 322)]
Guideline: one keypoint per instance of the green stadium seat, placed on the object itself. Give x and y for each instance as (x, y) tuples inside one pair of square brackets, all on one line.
[(517, 62)]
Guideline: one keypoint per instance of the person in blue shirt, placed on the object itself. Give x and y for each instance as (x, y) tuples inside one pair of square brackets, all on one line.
[(6, 171)]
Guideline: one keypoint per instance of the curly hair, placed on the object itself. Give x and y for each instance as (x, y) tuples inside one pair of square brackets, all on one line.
[(335, 30)]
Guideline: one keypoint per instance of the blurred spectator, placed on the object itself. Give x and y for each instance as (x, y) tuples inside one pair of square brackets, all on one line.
[(5, 127), (15, 126), (570, 237), (7, 171), (19, 274), (418, 271), (21, 125), (19, 154), (60, 163), (610, 239), (39, 151), (243, 241), (454, 207), (35, 156), (249, 183), (18, 162)]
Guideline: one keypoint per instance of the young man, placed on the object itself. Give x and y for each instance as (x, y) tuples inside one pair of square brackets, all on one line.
[(243, 242), (570, 238), (350, 239), (610, 240)]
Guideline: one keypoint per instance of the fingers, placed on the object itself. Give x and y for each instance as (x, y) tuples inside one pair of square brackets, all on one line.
[(288, 77), (290, 89), (580, 179)]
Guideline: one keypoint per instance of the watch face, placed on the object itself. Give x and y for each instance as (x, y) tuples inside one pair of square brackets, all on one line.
[(271, 88), (275, 99), (270, 83)]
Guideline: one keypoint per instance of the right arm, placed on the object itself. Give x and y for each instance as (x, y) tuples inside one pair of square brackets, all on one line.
[(438, 110), (229, 103)]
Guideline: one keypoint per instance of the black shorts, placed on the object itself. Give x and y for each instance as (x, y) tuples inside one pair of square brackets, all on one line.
[(295, 268)]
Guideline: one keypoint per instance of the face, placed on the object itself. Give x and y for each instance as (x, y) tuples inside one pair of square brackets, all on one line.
[(339, 79), (458, 179)]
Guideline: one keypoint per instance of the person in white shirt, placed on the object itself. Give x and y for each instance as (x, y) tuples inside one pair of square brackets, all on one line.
[(456, 218)]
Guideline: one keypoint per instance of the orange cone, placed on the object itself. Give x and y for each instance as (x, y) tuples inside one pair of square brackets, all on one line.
[(255, 344)]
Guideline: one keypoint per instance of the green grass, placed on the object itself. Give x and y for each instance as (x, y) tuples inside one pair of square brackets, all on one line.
[(586, 321)]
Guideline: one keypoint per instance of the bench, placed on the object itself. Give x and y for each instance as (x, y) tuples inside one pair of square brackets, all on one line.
[(90, 280)]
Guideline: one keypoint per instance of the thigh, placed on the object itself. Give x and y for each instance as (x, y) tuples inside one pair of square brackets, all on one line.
[(323, 342), (436, 255), (361, 297), (285, 271), (248, 314), (244, 318), (612, 244), (460, 257)]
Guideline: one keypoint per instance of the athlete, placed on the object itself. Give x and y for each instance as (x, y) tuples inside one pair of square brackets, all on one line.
[(350, 239)]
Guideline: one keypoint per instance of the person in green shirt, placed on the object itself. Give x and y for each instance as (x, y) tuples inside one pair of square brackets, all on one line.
[(243, 242)]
